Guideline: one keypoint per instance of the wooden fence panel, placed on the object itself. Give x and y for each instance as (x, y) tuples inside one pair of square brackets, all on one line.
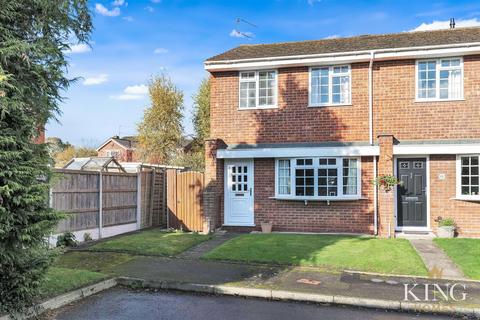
[(119, 198), (184, 199), (76, 194)]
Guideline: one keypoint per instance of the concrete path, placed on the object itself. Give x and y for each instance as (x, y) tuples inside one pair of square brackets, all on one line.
[(199, 250), (436, 259)]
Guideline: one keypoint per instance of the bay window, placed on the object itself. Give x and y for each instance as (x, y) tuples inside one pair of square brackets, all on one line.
[(330, 86), (440, 79), (258, 89), (468, 184), (318, 178)]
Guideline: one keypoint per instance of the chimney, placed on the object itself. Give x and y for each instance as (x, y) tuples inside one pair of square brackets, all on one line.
[(452, 23)]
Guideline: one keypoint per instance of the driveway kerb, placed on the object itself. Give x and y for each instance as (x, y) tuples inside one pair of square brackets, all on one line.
[(69, 297), (306, 297)]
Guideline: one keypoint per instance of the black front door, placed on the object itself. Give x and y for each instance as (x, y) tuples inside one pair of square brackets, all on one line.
[(412, 196)]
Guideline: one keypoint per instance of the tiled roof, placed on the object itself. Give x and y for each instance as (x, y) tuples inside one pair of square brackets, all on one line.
[(358, 43)]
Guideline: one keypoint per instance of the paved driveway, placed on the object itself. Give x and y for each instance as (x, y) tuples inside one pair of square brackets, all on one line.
[(119, 303)]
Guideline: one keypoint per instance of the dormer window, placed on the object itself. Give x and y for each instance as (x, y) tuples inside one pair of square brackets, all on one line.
[(440, 79), (258, 89)]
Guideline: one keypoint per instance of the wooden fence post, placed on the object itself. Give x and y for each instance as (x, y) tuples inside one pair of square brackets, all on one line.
[(139, 197), (100, 205), (152, 194)]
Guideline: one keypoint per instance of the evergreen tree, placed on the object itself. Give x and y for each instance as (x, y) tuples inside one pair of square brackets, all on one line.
[(34, 34), (160, 132)]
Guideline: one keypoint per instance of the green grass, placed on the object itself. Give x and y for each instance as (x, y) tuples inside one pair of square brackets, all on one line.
[(152, 242), (465, 253), (61, 280), (103, 262), (394, 256)]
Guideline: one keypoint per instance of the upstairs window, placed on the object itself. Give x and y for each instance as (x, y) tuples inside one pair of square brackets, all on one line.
[(330, 86), (258, 89), (440, 79)]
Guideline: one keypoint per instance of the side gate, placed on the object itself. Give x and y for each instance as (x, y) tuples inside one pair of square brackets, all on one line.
[(184, 200)]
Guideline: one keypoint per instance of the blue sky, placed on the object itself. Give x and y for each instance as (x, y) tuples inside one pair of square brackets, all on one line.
[(135, 40)]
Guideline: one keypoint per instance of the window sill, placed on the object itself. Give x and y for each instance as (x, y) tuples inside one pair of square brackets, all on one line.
[(329, 105), (437, 100), (257, 108), (466, 199), (327, 199)]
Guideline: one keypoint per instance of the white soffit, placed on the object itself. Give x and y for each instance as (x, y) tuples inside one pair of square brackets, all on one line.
[(298, 152)]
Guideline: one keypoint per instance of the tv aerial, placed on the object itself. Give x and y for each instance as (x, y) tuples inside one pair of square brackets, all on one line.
[(237, 31)]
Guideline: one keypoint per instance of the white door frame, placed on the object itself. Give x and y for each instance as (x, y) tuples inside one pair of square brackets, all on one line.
[(251, 178), (398, 228)]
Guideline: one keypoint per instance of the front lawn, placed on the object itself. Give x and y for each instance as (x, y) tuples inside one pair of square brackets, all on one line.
[(152, 242), (61, 280), (102, 262), (465, 253), (394, 256)]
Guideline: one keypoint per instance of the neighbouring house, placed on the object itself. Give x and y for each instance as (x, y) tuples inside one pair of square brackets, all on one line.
[(122, 149), (299, 130)]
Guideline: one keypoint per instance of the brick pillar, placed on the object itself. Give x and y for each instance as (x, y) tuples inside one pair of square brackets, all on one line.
[(213, 192), (386, 200)]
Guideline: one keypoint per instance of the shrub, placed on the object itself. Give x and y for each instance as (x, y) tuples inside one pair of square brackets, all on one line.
[(447, 222), (87, 237), (66, 240)]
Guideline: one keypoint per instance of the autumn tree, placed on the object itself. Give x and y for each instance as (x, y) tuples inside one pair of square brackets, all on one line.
[(61, 158), (201, 114), (160, 131)]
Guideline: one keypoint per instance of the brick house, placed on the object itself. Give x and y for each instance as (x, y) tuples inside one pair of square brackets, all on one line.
[(122, 149), (299, 130)]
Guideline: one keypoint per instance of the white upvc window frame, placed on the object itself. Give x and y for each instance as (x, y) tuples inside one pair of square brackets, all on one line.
[(257, 89), (459, 194), (438, 68), (330, 86), (316, 166)]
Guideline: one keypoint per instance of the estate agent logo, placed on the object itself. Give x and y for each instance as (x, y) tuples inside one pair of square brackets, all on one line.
[(431, 292)]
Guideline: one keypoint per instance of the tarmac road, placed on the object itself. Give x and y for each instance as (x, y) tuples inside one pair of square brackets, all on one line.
[(121, 303)]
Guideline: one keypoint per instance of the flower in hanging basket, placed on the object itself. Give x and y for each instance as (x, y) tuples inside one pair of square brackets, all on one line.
[(386, 182)]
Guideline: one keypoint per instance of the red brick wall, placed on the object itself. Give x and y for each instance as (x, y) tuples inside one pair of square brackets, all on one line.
[(293, 121), (396, 112), (465, 213), (316, 216)]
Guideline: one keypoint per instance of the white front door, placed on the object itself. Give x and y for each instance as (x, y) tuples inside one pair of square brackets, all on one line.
[(239, 193)]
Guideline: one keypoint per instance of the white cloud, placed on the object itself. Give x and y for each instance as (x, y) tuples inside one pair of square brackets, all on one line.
[(136, 89), (332, 36), (238, 34), (134, 92), (79, 48), (118, 3), (438, 25), (127, 97), (95, 80), (128, 18), (149, 9), (101, 9), (160, 50)]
